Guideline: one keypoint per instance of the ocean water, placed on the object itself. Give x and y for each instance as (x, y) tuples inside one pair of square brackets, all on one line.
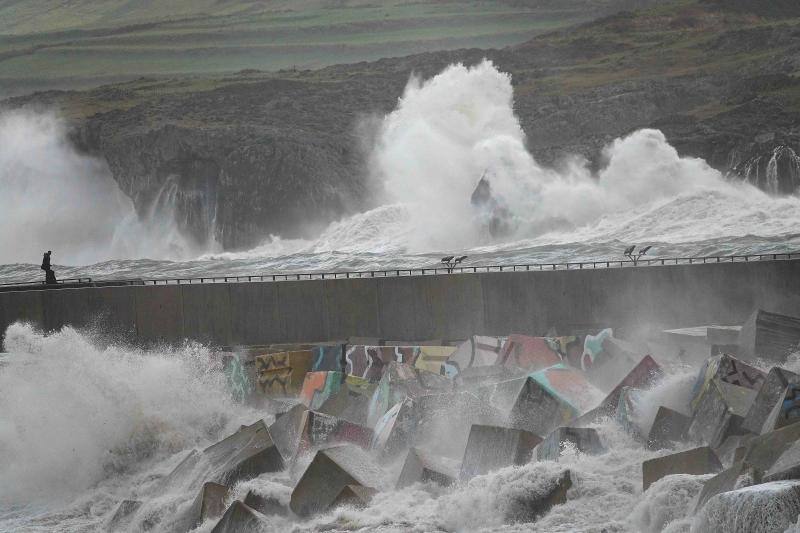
[(86, 423), (425, 160)]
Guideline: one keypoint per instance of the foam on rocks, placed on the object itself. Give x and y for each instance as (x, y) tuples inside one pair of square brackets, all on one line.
[(329, 472), (696, 461), (518, 433), (765, 508), (583, 440)]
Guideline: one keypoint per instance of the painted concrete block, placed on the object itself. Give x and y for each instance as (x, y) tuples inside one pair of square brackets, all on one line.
[(282, 374), (772, 388)]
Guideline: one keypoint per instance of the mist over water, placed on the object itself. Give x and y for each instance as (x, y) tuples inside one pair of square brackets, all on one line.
[(55, 198), (429, 154), (86, 424)]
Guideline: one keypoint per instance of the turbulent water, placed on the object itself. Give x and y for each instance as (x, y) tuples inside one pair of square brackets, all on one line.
[(426, 160), (85, 424)]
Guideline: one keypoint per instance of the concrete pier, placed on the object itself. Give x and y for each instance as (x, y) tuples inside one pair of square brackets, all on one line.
[(451, 306)]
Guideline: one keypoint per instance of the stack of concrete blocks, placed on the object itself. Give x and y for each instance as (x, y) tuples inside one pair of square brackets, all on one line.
[(443, 414)]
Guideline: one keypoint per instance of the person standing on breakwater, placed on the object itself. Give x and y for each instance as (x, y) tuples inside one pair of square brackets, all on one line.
[(50, 276)]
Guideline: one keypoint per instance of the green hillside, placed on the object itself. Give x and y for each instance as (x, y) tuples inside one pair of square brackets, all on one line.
[(53, 44)]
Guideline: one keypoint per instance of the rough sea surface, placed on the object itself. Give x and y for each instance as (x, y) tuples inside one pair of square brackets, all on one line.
[(85, 424)]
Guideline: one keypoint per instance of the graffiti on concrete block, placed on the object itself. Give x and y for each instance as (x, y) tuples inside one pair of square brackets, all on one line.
[(368, 362), (570, 386), (328, 357), (239, 381), (319, 386), (728, 369), (433, 358), (474, 352), (530, 353), (593, 348), (282, 374)]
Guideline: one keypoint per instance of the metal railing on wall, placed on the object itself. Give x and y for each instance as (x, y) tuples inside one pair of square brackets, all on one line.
[(66, 281), (425, 271)]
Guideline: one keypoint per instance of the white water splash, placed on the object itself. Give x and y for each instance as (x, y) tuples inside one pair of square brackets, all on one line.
[(75, 414), (451, 129), (54, 198)]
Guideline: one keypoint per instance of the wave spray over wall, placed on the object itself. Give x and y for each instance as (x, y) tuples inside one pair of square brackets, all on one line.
[(450, 130), (428, 156), (55, 198)]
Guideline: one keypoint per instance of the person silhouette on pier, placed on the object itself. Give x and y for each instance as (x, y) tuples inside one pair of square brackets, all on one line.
[(50, 276)]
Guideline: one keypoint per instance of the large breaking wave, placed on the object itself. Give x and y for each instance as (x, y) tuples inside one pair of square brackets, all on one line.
[(428, 156)]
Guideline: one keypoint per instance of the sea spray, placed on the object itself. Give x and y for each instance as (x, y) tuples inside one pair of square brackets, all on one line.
[(56, 198), (449, 131), (87, 426), (75, 415), (427, 157)]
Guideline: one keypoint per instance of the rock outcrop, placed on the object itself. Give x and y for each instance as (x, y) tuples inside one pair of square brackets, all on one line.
[(284, 153)]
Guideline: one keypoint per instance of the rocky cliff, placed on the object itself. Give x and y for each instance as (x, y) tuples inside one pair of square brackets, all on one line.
[(283, 153)]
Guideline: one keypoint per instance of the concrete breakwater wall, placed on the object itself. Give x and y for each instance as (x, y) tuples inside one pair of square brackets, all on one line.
[(420, 307)]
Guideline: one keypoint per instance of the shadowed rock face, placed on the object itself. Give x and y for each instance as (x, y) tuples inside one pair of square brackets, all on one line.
[(285, 153)]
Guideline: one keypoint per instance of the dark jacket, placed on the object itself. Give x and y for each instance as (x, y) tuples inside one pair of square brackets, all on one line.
[(46, 262)]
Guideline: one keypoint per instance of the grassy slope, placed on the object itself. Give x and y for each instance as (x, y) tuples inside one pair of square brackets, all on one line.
[(47, 43), (679, 39)]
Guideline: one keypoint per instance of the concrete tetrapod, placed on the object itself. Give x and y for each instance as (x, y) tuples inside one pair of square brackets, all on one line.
[(786, 410), (209, 503), (668, 427), (239, 518), (331, 470), (265, 505), (719, 412), (643, 375), (737, 476), (769, 335), (528, 405), (492, 447), (123, 514), (354, 496), (770, 391), (420, 467), (696, 461), (400, 381), (245, 454), (763, 451)]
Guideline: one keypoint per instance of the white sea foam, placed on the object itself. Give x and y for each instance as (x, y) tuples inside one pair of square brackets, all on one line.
[(86, 425), (428, 155), (56, 198), (450, 130), (78, 418)]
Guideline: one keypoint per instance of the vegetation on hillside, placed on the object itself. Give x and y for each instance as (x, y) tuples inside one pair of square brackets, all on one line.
[(55, 44)]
